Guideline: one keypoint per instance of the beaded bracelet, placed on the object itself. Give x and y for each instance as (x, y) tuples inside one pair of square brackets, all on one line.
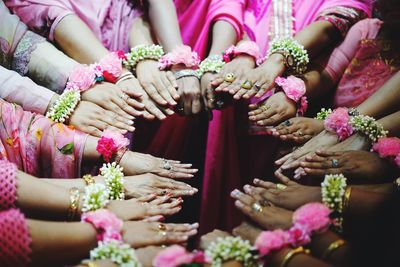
[(114, 179), (388, 148), (180, 55), (296, 57), (213, 64), (96, 197), (249, 48), (141, 53), (332, 191), (119, 253), (186, 73), (231, 248)]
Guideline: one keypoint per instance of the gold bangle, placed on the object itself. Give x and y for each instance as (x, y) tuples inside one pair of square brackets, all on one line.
[(289, 256), (332, 247), (74, 195), (126, 77), (88, 179), (346, 198)]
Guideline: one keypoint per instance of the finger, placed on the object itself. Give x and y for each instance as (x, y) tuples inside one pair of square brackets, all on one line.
[(244, 208), (303, 139), (271, 121), (164, 92), (284, 179), (291, 165), (147, 115), (244, 198), (264, 184), (136, 105), (169, 183), (111, 119), (315, 158), (316, 165), (240, 94), (176, 175), (263, 115), (256, 192), (171, 88), (124, 106), (134, 91), (217, 81), (154, 110), (183, 193), (265, 87), (147, 198), (153, 93), (156, 218), (283, 159), (181, 227), (222, 87), (160, 200), (184, 170), (325, 153), (322, 172), (196, 105), (235, 87), (93, 131), (173, 82)]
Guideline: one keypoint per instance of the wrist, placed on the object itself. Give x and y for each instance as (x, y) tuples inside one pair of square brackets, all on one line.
[(53, 100), (246, 60)]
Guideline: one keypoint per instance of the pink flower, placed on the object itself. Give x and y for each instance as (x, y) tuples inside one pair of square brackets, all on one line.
[(81, 78), (302, 107), (229, 54), (107, 224), (107, 148), (339, 122), (121, 55), (182, 54), (268, 241), (313, 217), (173, 256), (112, 67), (387, 147), (298, 236), (293, 87), (119, 139), (249, 48), (397, 160)]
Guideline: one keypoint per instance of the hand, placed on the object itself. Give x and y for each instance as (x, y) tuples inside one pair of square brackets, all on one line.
[(207, 90), (146, 255), (92, 119), (145, 184), (142, 208), (190, 95), (142, 234), (133, 88), (112, 98), (298, 130), (137, 163), (240, 67), (207, 239), (159, 85), (291, 197), (272, 111), (358, 166), (269, 218), (247, 231)]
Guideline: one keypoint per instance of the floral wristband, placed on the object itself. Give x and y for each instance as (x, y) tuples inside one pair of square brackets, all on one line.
[(141, 53), (249, 48), (212, 64), (177, 256), (181, 55), (389, 148), (295, 89), (114, 179), (110, 144), (107, 224), (119, 253), (96, 197), (64, 106)]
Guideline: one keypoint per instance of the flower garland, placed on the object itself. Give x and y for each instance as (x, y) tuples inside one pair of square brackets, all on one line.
[(339, 122), (119, 253), (177, 256), (114, 178), (231, 248), (143, 52), (111, 143), (107, 224), (369, 127), (295, 89), (249, 48), (308, 219), (332, 191), (389, 148), (96, 197), (181, 54), (83, 78), (213, 64)]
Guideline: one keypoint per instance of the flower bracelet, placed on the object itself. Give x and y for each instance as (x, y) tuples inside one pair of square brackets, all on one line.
[(83, 78), (143, 52), (388, 148), (212, 64), (294, 89), (177, 256), (249, 48)]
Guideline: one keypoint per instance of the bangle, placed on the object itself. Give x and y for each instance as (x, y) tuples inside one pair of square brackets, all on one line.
[(110, 143), (249, 48), (74, 195), (141, 53), (231, 248), (332, 190), (119, 253), (106, 223), (95, 197), (8, 184), (64, 106), (114, 179), (346, 198), (332, 247), (213, 64), (296, 57), (124, 78), (294, 89), (290, 255), (88, 179), (181, 54), (186, 73)]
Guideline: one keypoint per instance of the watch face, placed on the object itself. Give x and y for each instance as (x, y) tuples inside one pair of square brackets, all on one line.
[(290, 60)]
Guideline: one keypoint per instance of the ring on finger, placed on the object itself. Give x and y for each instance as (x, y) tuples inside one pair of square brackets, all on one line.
[(335, 163), (287, 123), (281, 186), (124, 96), (247, 85), (166, 165), (229, 77), (299, 133), (264, 108), (257, 207), (257, 86)]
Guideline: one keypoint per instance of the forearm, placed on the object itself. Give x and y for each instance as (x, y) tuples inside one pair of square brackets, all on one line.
[(318, 84), (70, 183), (56, 243), (223, 36), (391, 123), (140, 33), (78, 41), (165, 24)]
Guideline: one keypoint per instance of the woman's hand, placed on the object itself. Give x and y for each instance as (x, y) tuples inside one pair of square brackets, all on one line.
[(272, 111), (145, 184), (268, 217), (92, 119), (137, 163), (240, 67), (142, 234), (358, 166), (207, 90), (298, 130), (159, 85), (190, 95), (142, 208), (146, 255), (247, 231), (210, 237)]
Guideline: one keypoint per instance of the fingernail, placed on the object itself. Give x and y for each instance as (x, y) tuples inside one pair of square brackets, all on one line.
[(131, 129), (235, 193), (238, 203), (130, 122), (194, 225), (247, 187), (256, 181)]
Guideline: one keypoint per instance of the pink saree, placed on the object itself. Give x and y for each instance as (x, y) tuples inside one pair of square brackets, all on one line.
[(234, 158)]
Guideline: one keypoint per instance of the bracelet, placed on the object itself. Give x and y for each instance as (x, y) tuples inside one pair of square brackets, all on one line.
[(339, 122), (88, 179), (74, 195), (90, 264), (141, 53), (369, 127), (296, 57), (114, 179), (333, 190), (95, 197), (346, 198), (64, 106), (289, 256), (294, 89), (249, 48), (176, 255), (186, 73), (119, 253), (388, 148), (332, 247), (110, 144), (108, 226), (127, 77), (181, 54), (213, 64), (8, 184)]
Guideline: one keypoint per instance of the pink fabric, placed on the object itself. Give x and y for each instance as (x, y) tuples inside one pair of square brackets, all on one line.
[(24, 92), (15, 241), (110, 20), (8, 184), (39, 146)]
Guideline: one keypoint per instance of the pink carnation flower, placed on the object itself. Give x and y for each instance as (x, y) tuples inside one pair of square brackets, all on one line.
[(81, 78), (182, 54), (387, 147), (107, 148), (299, 236), (108, 225), (119, 139), (303, 106), (112, 67), (173, 256), (313, 217), (293, 87), (229, 54), (339, 122), (268, 241)]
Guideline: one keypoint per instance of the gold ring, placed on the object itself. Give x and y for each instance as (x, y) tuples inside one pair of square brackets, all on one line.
[(299, 133), (257, 207), (247, 85), (264, 108), (281, 186), (162, 229), (229, 77)]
